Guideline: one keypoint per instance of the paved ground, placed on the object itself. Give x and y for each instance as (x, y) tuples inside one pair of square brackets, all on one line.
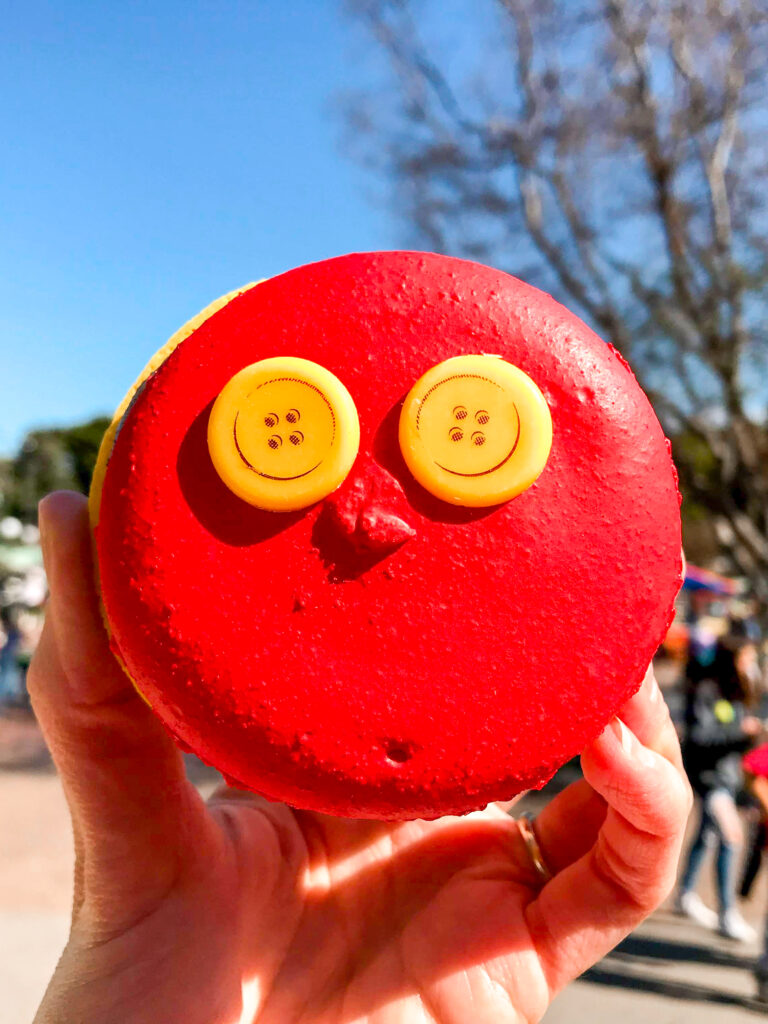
[(669, 971)]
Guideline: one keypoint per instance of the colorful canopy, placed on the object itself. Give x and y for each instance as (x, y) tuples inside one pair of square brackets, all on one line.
[(704, 579)]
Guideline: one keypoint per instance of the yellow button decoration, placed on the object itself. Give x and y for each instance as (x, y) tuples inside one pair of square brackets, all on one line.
[(283, 433), (475, 430)]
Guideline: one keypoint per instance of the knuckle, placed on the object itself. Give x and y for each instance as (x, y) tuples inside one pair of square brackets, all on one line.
[(683, 797), (643, 881), (657, 804), (34, 678)]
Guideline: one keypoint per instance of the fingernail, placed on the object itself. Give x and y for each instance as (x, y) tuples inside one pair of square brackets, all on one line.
[(623, 735), (631, 746), (651, 686)]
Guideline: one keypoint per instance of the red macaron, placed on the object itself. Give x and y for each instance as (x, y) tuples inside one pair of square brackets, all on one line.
[(383, 652)]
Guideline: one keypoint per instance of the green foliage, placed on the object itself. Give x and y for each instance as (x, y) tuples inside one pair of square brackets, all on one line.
[(698, 473), (49, 460)]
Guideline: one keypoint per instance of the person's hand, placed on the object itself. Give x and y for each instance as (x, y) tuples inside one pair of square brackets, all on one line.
[(240, 910), (751, 726)]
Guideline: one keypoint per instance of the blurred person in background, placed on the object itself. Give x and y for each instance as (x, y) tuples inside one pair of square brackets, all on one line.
[(756, 768), (10, 643), (702, 642), (719, 728), (30, 623)]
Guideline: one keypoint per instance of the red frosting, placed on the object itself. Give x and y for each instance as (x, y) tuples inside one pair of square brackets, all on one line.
[(384, 654)]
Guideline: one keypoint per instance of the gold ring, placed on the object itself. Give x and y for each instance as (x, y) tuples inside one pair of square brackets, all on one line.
[(525, 825)]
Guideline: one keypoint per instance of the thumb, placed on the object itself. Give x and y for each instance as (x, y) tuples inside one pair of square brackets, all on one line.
[(132, 808)]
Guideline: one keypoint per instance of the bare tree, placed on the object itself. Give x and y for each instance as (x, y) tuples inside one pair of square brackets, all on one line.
[(614, 153)]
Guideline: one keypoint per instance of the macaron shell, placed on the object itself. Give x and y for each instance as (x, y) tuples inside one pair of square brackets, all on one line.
[(157, 360), (463, 665), (110, 434)]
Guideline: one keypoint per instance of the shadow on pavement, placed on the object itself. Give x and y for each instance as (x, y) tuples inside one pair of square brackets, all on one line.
[(672, 989), (637, 948), (623, 969)]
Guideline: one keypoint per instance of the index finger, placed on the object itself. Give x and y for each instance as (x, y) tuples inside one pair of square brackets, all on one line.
[(647, 715), (597, 900)]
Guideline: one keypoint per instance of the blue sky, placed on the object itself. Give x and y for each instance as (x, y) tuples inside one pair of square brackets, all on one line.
[(157, 154)]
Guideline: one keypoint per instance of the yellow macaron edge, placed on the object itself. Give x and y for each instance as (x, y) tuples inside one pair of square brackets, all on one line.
[(108, 441)]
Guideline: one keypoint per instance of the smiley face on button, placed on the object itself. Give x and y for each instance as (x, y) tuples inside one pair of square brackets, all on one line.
[(475, 430), (283, 433)]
